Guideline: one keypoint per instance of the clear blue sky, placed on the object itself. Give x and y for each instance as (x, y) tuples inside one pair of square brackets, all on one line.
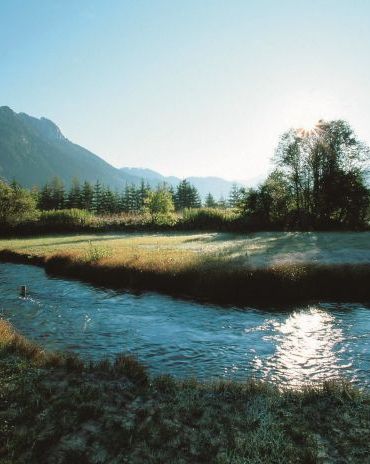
[(186, 87)]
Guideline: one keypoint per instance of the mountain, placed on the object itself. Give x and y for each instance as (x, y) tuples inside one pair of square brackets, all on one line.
[(33, 151), (217, 186)]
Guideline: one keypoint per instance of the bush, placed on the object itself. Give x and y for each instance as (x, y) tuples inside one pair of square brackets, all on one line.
[(66, 217), (164, 219), (17, 205)]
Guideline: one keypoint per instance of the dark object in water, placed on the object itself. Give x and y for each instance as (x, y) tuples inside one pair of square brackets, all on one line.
[(23, 291)]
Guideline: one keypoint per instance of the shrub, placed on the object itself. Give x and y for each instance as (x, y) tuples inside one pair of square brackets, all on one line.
[(164, 219), (66, 217), (16, 205), (159, 202)]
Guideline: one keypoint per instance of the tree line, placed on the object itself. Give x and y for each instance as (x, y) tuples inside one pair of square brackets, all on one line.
[(100, 199), (318, 182)]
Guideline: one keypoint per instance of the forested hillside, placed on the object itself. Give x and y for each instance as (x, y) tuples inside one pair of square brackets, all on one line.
[(33, 151)]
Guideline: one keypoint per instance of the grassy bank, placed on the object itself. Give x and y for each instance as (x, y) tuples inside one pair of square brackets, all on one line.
[(56, 409), (225, 268)]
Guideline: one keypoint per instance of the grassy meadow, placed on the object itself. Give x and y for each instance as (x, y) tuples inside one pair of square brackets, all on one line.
[(261, 249), (56, 409), (224, 267)]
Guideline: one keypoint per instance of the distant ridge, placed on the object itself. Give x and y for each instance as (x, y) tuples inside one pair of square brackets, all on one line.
[(217, 186)]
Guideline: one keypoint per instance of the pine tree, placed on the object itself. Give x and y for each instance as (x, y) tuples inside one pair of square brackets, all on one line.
[(87, 196), (187, 196), (96, 204), (45, 201), (74, 194), (210, 201), (58, 193), (235, 196), (195, 201), (107, 202), (143, 192), (126, 200)]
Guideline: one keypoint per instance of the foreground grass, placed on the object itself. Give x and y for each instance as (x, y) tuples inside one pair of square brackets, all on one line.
[(55, 409)]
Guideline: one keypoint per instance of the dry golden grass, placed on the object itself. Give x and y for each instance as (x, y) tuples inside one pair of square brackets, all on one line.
[(14, 342), (178, 249), (142, 251), (222, 267)]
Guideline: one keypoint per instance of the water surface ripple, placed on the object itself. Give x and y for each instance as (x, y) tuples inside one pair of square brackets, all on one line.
[(292, 347)]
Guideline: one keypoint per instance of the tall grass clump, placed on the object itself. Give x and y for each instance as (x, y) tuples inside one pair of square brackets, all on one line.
[(95, 253), (209, 218), (66, 217)]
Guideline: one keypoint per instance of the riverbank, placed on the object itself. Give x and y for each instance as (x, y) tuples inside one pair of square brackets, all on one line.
[(55, 408), (220, 268)]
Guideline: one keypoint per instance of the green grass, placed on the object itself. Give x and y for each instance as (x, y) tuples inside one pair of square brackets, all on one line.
[(66, 411)]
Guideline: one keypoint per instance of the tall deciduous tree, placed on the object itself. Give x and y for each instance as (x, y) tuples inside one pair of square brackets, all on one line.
[(324, 170)]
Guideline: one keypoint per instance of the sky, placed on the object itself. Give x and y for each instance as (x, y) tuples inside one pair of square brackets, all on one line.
[(187, 87)]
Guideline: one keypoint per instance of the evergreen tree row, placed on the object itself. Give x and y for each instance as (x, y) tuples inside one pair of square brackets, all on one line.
[(100, 199)]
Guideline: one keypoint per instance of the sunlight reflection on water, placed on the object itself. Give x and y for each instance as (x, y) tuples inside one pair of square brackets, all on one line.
[(305, 353)]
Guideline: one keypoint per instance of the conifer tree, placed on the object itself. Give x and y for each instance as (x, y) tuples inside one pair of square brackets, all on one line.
[(58, 193), (87, 196), (96, 204), (74, 194), (210, 201), (186, 196), (235, 196), (45, 201)]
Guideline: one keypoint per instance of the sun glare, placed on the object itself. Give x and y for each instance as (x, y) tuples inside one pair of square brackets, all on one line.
[(306, 112), (307, 131), (310, 129)]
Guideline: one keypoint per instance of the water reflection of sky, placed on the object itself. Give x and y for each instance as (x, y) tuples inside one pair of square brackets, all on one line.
[(292, 348)]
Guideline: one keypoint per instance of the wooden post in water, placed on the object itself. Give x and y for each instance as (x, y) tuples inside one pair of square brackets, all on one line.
[(23, 291)]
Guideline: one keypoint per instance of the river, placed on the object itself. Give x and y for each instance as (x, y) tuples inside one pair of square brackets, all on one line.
[(290, 346)]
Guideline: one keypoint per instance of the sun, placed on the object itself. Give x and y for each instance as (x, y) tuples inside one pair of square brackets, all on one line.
[(305, 112), (310, 128)]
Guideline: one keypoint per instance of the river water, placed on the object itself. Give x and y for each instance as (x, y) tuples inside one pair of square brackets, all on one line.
[(290, 346)]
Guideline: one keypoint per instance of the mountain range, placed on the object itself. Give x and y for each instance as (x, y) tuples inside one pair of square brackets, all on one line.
[(217, 186), (33, 151)]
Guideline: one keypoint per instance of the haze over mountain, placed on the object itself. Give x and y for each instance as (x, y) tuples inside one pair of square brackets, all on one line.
[(217, 186), (33, 151)]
